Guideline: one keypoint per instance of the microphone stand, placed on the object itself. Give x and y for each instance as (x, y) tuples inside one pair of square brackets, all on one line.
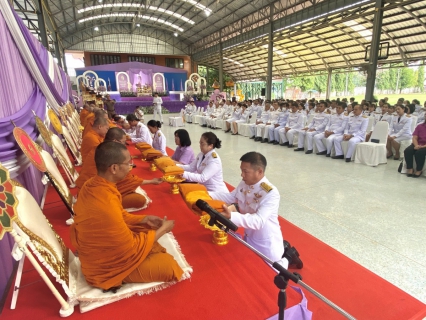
[(281, 279)]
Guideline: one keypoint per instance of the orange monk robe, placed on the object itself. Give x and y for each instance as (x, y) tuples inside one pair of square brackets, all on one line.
[(90, 141), (111, 124), (83, 115), (126, 187), (112, 244), (89, 123)]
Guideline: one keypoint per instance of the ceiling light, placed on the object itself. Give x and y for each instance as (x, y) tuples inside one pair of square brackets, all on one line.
[(207, 12), (138, 25), (276, 51), (161, 21), (99, 0), (236, 62), (96, 29), (138, 6), (175, 34)]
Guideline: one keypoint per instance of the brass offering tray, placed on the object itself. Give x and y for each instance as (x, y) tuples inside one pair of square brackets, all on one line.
[(219, 237), (174, 181)]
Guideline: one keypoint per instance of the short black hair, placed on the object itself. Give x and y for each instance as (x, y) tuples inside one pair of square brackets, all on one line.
[(211, 138), (184, 139), (107, 154), (154, 124), (131, 117), (255, 159)]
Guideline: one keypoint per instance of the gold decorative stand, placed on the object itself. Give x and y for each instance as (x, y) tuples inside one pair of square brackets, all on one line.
[(219, 237), (174, 181)]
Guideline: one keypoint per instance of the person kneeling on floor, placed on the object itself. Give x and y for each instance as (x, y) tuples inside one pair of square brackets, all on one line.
[(254, 205)]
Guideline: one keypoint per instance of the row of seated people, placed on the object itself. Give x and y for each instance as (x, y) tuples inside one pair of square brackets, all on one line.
[(324, 124)]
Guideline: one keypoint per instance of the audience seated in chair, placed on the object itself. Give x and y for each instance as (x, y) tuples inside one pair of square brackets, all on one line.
[(399, 130), (417, 151)]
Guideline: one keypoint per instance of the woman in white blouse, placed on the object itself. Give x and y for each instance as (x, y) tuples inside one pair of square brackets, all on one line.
[(159, 140)]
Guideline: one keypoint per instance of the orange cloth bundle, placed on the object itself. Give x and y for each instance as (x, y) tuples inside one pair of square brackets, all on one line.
[(151, 154), (192, 192), (173, 171), (143, 146), (164, 162)]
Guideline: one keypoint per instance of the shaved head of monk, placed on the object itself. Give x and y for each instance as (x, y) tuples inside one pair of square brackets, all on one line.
[(101, 126), (116, 134), (113, 161)]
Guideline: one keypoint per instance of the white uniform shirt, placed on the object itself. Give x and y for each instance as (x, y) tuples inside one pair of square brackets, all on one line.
[(258, 215), (337, 123), (207, 171), (159, 142), (157, 102), (295, 120), (403, 127), (319, 121), (357, 126), (141, 134)]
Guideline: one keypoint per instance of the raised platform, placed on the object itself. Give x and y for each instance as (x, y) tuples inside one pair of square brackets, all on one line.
[(126, 107)]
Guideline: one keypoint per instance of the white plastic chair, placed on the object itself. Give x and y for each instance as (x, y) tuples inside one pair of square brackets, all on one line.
[(370, 153), (243, 127)]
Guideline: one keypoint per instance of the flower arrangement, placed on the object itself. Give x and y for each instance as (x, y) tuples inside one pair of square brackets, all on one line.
[(190, 88), (127, 94), (150, 110)]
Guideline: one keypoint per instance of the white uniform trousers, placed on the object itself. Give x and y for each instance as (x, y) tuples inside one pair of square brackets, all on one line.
[(351, 145), (309, 136), (157, 109), (203, 120), (252, 129), (273, 134), (287, 136), (260, 130), (328, 142)]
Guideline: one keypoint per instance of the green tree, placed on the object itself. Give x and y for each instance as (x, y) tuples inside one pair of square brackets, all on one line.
[(339, 82), (421, 78), (304, 83), (407, 79), (351, 82), (393, 79), (320, 83)]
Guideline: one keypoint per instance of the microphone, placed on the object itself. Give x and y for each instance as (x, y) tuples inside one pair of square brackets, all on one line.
[(215, 215)]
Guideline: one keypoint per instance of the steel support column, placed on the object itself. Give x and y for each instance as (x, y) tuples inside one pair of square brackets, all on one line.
[(374, 50), (57, 51), (220, 66), (65, 62), (327, 94), (270, 54), (42, 25), (207, 78)]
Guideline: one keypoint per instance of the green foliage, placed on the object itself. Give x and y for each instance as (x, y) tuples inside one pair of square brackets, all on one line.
[(304, 83), (407, 78), (320, 83)]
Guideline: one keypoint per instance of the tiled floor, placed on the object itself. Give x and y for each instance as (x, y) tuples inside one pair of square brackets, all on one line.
[(375, 216)]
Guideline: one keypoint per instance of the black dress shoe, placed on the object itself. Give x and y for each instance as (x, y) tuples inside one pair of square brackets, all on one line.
[(284, 144), (299, 149), (252, 137), (292, 256), (275, 143), (348, 159), (328, 155), (258, 139), (338, 157), (287, 245), (290, 146), (264, 141), (271, 141), (322, 153), (308, 152), (227, 131), (409, 175), (417, 176)]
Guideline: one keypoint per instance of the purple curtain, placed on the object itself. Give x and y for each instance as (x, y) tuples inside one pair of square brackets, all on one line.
[(38, 58)]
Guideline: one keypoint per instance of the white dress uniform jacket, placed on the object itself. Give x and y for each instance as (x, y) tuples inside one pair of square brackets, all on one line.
[(401, 129), (207, 171), (159, 142), (258, 215), (141, 134)]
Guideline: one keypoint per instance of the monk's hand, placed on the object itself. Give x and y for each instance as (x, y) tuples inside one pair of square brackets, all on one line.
[(153, 221), (226, 211), (157, 181)]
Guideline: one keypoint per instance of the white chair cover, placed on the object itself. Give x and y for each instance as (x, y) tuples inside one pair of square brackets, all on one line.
[(373, 154), (243, 127)]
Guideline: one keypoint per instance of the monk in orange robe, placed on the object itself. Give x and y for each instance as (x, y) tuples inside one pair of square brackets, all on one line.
[(94, 137), (84, 113), (128, 185), (115, 246)]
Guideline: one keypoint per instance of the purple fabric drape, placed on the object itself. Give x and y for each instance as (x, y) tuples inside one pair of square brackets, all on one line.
[(16, 83), (43, 68)]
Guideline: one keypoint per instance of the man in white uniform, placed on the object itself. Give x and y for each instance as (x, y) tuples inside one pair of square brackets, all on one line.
[(354, 133), (138, 132), (157, 102), (253, 205)]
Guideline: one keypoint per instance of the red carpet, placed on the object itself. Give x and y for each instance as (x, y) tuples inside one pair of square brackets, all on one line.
[(228, 282)]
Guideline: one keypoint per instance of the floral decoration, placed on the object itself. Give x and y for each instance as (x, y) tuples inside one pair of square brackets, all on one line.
[(8, 202)]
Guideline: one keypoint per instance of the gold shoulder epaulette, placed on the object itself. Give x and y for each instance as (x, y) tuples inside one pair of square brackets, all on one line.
[(159, 134), (408, 115), (364, 116), (266, 186), (214, 155)]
